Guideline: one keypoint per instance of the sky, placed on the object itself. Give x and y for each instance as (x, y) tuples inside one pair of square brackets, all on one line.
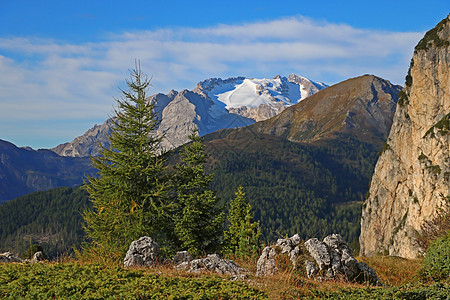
[(63, 62)]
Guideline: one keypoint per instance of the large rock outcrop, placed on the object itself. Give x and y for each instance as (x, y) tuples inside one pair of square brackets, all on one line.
[(411, 178), (331, 258)]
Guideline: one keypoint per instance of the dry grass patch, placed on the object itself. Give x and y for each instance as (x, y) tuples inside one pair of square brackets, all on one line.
[(394, 271)]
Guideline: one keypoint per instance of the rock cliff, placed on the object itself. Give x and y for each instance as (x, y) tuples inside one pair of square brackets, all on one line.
[(411, 179)]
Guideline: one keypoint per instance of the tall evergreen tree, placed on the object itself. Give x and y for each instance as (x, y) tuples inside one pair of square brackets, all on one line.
[(243, 236), (199, 220), (130, 193)]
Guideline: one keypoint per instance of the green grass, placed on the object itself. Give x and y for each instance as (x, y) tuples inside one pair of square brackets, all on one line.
[(418, 291), (95, 281), (75, 280)]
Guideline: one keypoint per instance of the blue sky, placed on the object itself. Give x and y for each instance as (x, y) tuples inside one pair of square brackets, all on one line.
[(62, 62)]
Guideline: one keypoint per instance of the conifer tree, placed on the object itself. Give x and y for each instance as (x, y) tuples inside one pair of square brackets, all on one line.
[(129, 195), (199, 220), (243, 236)]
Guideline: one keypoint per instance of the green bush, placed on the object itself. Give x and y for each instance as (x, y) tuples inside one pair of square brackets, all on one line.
[(437, 259), (403, 98)]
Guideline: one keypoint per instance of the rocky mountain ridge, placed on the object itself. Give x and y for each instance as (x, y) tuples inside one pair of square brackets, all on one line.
[(411, 179), (362, 107), (214, 104)]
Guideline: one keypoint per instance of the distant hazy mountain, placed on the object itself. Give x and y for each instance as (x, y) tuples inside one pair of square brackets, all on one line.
[(214, 104), (23, 171)]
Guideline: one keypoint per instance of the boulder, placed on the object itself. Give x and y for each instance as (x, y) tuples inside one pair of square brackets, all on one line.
[(143, 252), (266, 263), (38, 256), (8, 257), (311, 269), (214, 263), (181, 260)]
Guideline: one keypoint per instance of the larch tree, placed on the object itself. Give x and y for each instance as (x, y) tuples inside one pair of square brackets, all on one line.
[(242, 238), (199, 219), (130, 193)]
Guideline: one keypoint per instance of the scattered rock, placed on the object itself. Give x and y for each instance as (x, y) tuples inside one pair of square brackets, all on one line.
[(329, 259), (8, 257), (38, 256), (335, 260), (311, 269), (215, 263), (182, 259), (143, 252), (266, 263)]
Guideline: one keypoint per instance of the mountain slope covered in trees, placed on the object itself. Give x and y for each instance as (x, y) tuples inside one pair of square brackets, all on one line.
[(50, 218)]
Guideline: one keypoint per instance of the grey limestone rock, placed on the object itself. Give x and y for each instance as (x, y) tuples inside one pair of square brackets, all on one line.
[(311, 269), (215, 263), (8, 257), (266, 263), (143, 252), (182, 259), (332, 258), (38, 256), (319, 252)]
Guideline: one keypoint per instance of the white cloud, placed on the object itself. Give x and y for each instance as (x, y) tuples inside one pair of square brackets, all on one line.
[(52, 80)]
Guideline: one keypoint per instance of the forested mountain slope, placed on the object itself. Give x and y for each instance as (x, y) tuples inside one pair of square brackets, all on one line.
[(51, 218)]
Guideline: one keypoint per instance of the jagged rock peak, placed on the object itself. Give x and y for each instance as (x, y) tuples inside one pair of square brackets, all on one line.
[(214, 104), (88, 143), (210, 83), (411, 178)]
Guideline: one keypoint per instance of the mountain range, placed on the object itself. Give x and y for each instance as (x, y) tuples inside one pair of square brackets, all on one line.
[(305, 170), (214, 104)]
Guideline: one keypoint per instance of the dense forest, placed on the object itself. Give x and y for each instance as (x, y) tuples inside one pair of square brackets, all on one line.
[(51, 219), (310, 189)]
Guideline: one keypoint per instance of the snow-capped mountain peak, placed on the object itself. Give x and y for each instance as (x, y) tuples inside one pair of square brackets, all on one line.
[(237, 92), (214, 104)]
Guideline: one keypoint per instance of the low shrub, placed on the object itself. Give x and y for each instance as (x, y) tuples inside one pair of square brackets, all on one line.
[(437, 259)]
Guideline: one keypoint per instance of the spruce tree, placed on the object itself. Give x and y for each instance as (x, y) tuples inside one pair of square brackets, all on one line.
[(242, 238), (129, 195), (199, 220)]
